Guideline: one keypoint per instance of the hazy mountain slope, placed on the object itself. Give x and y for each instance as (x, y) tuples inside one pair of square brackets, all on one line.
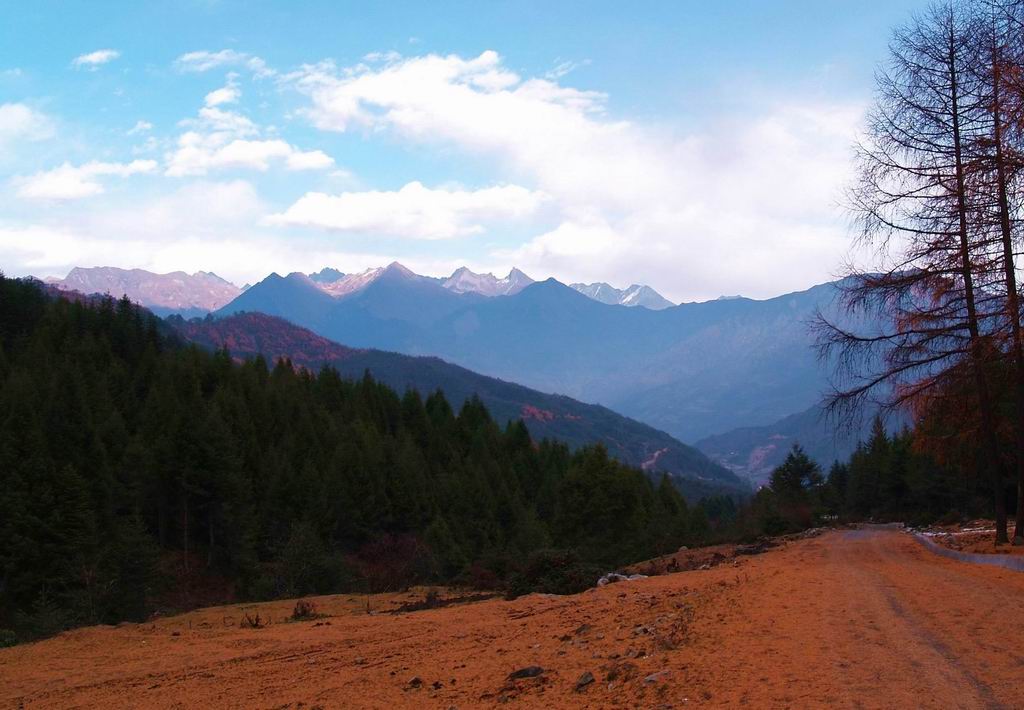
[(295, 297), (176, 292), (752, 452), (546, 415), (692, 370)]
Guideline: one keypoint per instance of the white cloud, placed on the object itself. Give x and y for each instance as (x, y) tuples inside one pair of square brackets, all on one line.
[(202, 61), (206, 225), (199, 225), (225, 95), (140, 127), (753, 197), (94, 60), (414, 211), (389, 56), (562, 68), (197, 154), (221, 139), (19, 122), (218, 120), (70, 182)]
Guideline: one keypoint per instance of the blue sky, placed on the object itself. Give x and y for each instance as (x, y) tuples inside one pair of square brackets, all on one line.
[(698, 147)]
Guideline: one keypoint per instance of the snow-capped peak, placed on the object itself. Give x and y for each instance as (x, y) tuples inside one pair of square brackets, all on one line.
[(463, 280), (635, 295), (350, 283)]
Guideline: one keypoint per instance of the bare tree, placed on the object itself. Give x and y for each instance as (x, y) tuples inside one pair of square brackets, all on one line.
[(998, 65), (918, 315)]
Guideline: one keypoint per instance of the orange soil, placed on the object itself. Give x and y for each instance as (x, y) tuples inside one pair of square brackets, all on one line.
[(861, 618)]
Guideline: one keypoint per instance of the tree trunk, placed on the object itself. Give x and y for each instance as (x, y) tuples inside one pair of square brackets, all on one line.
[(988, 432), (184, 499), (1012, 298), (209, 553)]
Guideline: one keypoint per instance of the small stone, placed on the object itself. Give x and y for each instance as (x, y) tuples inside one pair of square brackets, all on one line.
[(528, 672), (656, 677), (584, 680), (415, 681)]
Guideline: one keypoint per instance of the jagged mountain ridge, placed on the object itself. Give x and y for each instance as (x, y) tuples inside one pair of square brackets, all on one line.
[(202, 292), (635, 295), (465, 281), (164, 294), (546, 415)]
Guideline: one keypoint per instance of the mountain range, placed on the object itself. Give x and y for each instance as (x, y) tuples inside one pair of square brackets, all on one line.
[(692, 370), (734, 367), (196, 294), (545, 415)]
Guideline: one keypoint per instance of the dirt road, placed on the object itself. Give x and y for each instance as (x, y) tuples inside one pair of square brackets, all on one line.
[(857, 619)]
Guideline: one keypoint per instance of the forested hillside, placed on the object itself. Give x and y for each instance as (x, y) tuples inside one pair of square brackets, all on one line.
[(548, 416), (135, 472)]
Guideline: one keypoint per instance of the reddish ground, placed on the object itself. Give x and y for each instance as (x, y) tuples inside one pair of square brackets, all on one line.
[(855, 619)]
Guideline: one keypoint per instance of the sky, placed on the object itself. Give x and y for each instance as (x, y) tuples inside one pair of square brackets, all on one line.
[(701, 148)]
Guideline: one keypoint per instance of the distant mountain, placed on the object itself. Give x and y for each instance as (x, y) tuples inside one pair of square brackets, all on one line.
[(753, 452), (326, 275), (164, 294), (465, 281), (692, 370), (339, 284), (546, 415), (284, 296), (347, 283), (383, 308), (635, 295)]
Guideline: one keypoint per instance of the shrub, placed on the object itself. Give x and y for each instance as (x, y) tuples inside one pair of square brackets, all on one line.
[(553, 572), (394, 562), (305, 610), (252, 621)]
